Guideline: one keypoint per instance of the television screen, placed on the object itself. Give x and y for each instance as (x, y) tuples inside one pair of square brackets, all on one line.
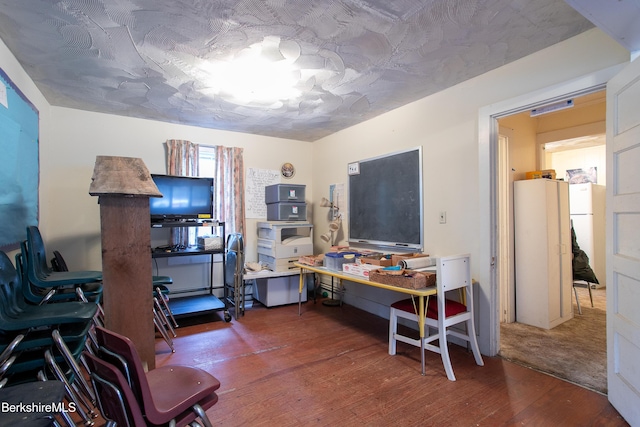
[(183, 198)]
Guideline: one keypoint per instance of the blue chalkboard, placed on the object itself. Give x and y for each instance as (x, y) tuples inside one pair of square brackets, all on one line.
[(19, 122)]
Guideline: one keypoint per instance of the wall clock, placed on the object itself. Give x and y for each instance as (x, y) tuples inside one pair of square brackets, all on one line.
[(287, 170)]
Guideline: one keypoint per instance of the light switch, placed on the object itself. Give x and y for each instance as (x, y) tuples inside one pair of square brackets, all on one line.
[(354, 168), (443, 217)]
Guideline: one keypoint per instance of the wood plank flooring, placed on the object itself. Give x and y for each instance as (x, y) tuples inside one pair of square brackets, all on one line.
[(331, 367)]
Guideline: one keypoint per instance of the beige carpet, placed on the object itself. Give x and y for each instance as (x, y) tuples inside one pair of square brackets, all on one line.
[(575, 350)]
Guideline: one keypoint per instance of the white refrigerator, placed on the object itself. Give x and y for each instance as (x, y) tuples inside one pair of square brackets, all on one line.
[(544, 276), (587, 207)]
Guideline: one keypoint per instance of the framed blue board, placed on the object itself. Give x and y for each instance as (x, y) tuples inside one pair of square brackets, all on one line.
[(19, 164)]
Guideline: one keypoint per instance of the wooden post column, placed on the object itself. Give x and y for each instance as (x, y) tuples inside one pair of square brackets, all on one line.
[(124, 186)]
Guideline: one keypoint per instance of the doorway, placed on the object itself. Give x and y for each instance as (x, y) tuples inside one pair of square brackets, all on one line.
[(567, 141)]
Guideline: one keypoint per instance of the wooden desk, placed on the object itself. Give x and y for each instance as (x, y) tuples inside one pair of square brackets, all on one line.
[(422, 294)]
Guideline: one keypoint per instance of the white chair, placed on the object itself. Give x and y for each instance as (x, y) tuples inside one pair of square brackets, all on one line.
[(453, 272)]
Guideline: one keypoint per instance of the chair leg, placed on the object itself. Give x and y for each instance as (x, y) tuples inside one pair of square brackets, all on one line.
[(575, 291), (202, 415), (471, 332), (393, 328), (64, 350), (160, 327), (590, 293), (71, 394), (444, 353), (63, 414), (163, 316), (166, 307)]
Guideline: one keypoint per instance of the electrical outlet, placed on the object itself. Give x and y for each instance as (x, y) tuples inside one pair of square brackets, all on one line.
[(354, 168), (443, 217)]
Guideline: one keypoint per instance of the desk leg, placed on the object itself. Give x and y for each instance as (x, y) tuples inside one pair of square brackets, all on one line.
[(300, 292), (421, 318)]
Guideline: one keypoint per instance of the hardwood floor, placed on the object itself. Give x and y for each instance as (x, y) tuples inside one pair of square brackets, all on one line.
[(331, 366)]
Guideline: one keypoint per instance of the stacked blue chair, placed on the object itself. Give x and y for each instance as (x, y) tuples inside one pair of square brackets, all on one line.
[(33, 338), (42, 276), (37, 295)]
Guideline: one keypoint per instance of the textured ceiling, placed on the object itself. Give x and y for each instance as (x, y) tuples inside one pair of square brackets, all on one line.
[(353, 59)]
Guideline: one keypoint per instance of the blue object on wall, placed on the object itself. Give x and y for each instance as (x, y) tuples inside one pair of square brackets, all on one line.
[(19, 164)]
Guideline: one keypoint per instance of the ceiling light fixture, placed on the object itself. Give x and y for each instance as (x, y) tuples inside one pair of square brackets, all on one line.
[(556, 106), (258, 74)]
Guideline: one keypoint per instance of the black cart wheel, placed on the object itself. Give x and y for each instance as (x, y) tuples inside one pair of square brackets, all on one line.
[(227, 316)]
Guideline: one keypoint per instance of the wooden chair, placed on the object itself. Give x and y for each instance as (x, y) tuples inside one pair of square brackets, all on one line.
[(165, 393), (453, 273)]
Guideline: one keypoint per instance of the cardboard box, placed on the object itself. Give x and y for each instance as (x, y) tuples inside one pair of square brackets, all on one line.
[(312, 260), (382, 262), (396, 258), (409, 280), (547, 173), (361, 270)]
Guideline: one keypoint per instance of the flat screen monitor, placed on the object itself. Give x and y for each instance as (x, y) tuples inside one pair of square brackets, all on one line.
[(184, 198)]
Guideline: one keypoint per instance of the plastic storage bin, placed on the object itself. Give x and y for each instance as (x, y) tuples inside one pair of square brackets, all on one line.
[(334, 260), (277, 193), (287, 211)]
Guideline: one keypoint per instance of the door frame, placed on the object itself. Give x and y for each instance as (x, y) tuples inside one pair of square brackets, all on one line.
[(505, 223), (488, 158)]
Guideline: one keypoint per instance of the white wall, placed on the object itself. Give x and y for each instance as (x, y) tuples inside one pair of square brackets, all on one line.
[(582, 158), (446, 125)]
